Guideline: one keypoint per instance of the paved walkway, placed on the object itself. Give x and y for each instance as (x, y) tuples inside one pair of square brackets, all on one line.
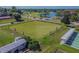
[(9, 23)]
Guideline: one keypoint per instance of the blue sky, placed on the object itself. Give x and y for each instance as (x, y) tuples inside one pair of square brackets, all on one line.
[(41, 7)]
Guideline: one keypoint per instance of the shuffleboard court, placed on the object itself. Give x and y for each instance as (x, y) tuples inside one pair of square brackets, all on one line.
[(75, 43)]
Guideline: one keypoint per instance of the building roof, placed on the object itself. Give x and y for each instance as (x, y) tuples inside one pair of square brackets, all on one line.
[(5, 17), (11, 46), (67, 35)]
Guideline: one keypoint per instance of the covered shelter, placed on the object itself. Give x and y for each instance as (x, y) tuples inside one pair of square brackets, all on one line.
[(67, 35)]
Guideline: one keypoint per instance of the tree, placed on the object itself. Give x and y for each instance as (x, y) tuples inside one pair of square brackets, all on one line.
[(58, 13), (18, 17), (5, 12), (74, 17), (1, 9), (66, 19), (13, 9), (19, 11), (34, 45)]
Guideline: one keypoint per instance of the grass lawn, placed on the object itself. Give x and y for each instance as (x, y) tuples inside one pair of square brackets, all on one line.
[(35, 29), (68, 49), (52, 42), (38, 31), (12, 20), (6, 21), (5, 37)]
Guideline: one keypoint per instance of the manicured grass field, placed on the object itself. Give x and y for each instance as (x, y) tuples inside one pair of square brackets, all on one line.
[(35, 29), (6, 21), (40, 31), (5, 37)]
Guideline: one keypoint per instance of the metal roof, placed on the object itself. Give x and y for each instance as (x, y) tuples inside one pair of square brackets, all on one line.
[(67, 35), (11, 46)]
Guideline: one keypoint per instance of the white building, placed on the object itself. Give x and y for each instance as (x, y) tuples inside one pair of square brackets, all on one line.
[(13, 47)]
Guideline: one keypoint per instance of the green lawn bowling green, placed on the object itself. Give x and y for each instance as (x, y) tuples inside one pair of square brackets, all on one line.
[(35, 29), (5, 37)]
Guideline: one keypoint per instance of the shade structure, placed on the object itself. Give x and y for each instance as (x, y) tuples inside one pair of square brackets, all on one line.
[(67, 35), (71, 39)]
